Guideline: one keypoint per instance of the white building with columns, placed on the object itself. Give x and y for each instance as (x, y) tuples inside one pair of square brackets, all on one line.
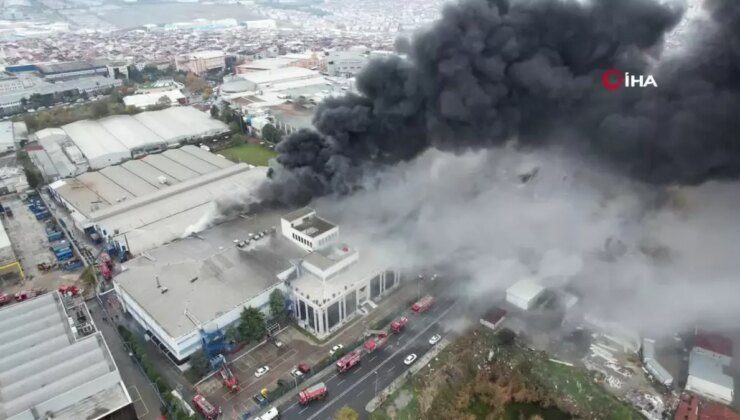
[(333, 281)]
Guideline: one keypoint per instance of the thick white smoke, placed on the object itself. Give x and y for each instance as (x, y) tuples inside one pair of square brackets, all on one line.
[(658, 259)]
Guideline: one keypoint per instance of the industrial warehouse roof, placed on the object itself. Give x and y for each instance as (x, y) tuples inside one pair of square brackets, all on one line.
[(181, 123), (93, 191), (208, 275), (152, 220), (526, 289), (95, 142), (706, 367), (279, 75), (48, 370), (130, 132)]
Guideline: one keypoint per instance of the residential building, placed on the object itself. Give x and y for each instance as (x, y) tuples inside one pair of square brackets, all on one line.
[(201, 62)]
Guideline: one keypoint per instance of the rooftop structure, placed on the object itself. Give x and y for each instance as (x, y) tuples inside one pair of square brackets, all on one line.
[(7, 136), (694, 408), (707, 378), (144, 203), (649, 358), (206, 279), (72, 69), (524, 293), (53, 364), (307, 230), (96, 144), (714, 345), (257, 80), (99, 146), (144, 100), (493, 318)]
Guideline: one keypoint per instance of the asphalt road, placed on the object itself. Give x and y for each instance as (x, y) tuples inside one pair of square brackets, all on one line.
[(377, 370)]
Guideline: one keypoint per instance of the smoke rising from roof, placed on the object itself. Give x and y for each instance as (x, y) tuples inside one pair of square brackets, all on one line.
[(488, 72)]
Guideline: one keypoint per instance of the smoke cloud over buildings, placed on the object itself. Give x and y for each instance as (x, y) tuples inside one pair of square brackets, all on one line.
[(490, 71), (659, 260), (493, 149)]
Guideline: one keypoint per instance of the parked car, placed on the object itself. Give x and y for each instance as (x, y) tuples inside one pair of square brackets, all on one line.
[(335, 349), (435, 339), (409, 359), (297, 373), (261, 371), (277, 343), (259, 399)]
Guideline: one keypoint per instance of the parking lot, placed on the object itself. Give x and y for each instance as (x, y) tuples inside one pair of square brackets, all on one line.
[(296, 349), (28, 238)]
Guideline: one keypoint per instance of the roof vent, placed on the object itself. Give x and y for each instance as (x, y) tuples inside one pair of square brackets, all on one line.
[(164, 290), (163, 180), (193, 279)]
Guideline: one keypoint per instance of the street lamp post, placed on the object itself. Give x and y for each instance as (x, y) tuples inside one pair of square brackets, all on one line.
[(376, 382)]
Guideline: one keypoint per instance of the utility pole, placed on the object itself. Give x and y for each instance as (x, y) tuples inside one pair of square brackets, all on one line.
[(376, 382)]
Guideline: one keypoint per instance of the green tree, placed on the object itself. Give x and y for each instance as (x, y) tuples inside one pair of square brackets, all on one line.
[(227, 114), (346, 413), (277, 304), (270, 133), (252, 324), (199, 363), (99, 109), (231, 335), (237, 140), (214, 111)]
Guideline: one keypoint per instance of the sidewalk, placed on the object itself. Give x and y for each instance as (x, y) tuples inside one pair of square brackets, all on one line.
[(146, 401)]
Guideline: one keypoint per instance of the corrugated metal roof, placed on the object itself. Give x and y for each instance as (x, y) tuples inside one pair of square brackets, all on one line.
[(45, 368)]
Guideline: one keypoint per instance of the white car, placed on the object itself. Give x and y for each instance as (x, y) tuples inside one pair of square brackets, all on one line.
[(409, 359), (335, 349), (297, 373), (435, 339), (261, 371)]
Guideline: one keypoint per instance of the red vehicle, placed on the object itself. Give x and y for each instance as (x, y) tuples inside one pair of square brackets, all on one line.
[(304, 368), (230, 381), (5, 298), (349, 360), (423, 304), (106, 266), (25, 294), (378, 341), (69, 290), (205, 408), (312, 393), (397, 325)]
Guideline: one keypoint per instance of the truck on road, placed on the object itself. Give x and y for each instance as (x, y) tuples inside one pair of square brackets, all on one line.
[(205, 408), (349, 360), (398, 325), (314, 392), (423, 304), (377, 341)]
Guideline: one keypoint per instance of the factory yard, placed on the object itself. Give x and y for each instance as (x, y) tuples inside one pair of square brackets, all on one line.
[(31, 247), (253, 154)]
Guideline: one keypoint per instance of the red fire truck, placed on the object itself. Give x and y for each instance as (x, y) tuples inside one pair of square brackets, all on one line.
[(399, 324), (423, 304), (349, 360), (314, 392), (377, 341), (205, 408)]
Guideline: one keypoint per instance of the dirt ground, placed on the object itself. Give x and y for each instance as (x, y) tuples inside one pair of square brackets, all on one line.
[(28, 238)]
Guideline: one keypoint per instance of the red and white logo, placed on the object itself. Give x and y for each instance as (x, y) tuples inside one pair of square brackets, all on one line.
[(614, 79)]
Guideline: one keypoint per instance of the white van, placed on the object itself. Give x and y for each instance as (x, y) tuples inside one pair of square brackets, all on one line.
[(270, 414)]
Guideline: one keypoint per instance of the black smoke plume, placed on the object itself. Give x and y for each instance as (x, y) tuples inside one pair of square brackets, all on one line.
[(529, 70)]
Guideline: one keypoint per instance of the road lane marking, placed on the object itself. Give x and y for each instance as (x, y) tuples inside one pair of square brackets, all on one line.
[(392, 369), (373, 358), (359, 393), (351, 387), (340, 382), (301, 412)]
